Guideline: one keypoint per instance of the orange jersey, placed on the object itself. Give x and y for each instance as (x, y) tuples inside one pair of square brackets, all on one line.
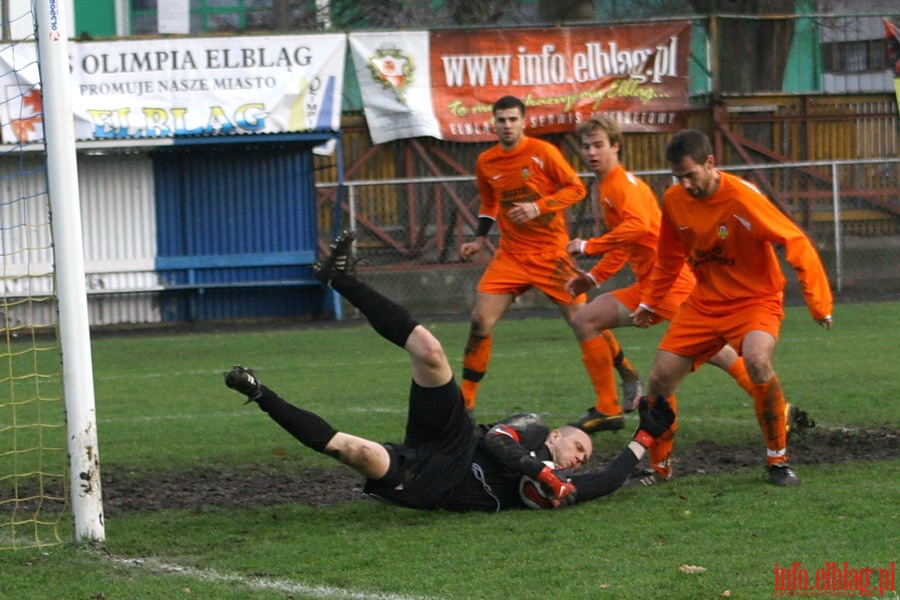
[(533, 171), (632, 217), (727, 239)]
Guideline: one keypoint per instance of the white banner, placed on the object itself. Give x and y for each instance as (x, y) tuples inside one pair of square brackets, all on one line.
[(20, 94), (184, 87), (396, 90)]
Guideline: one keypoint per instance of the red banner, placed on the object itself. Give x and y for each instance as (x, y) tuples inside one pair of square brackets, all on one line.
[(443, 83), (637, 73), (892, 35)]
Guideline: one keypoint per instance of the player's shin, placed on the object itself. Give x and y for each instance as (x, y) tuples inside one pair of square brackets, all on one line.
[(308, 428), (769, 403), (623, 366), (475, 362), (598, 362), (738, 370), (392, 321), (661, 449)]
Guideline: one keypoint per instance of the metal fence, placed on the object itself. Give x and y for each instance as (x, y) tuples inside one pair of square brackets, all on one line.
[(409, 230)]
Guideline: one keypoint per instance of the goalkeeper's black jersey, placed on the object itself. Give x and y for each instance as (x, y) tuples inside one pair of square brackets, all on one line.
[(501, 461), (506, 452)]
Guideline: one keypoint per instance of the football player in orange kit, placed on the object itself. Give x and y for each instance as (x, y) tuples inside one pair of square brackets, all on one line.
[(525, 185), (632, 217), (725, 228)]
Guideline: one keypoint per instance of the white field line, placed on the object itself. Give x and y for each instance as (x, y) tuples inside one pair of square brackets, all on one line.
[(156, 566), (249, 413), (322, 360), (361, 365), (319, 360)]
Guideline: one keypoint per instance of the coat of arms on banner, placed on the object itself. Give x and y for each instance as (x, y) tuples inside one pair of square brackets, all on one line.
[(393, 70), (25, 109)]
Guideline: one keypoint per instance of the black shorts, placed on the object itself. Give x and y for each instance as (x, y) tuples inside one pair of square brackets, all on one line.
[(436, 454)]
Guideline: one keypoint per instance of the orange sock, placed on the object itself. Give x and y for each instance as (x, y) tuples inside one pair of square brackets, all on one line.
[(738, 370), (597, 359), (475, 363), (768, 400), (660, 451), (620, 362)]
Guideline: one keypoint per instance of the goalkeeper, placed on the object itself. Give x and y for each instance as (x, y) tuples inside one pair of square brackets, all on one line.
[(446, 460)]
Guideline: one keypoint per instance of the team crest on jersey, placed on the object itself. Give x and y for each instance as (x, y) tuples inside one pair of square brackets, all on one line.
[(526, 173), (722, 231), (393, 70)]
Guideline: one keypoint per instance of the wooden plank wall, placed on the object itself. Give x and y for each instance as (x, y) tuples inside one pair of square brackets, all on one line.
[(758, 129)]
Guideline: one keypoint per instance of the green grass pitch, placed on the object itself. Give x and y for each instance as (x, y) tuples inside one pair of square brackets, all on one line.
[(162, 408)]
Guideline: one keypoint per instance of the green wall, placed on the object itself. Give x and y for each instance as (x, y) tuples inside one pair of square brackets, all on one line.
[(95, 17)]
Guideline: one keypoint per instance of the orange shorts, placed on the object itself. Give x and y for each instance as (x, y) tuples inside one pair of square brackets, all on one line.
[(700, 335), (630, 297), (515, 274)]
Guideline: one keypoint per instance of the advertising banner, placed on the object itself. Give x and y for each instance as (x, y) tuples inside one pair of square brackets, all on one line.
[(183, 87), (443, 83)]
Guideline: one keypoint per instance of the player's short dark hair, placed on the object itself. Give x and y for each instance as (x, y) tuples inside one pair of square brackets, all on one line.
[(688, 143), (507, 102), (602, 122)]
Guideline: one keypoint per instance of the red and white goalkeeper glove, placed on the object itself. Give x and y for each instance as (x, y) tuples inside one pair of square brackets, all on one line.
[(563, 492)]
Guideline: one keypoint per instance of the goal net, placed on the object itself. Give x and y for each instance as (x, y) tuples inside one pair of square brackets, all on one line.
[(32, 425), (42, 411)]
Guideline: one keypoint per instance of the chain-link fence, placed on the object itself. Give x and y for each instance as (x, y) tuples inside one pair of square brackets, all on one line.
[(409, 230)]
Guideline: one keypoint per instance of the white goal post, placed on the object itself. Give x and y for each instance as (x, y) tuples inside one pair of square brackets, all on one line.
[(74, 333)]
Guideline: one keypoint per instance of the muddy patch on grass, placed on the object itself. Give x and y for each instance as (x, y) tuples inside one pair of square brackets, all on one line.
[(321, 487)]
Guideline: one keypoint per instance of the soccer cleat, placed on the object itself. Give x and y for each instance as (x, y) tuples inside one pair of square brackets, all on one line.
[(595, 421), (645, 477), (796, 420), (339, 259), (783, 475), (244, 381), (631, 394)]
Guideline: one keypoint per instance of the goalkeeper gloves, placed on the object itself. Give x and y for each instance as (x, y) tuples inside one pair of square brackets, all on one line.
[(654, 420), (562, 492)]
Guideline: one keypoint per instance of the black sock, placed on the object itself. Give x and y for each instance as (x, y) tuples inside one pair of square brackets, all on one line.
[(389, 319), (309, 428)]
